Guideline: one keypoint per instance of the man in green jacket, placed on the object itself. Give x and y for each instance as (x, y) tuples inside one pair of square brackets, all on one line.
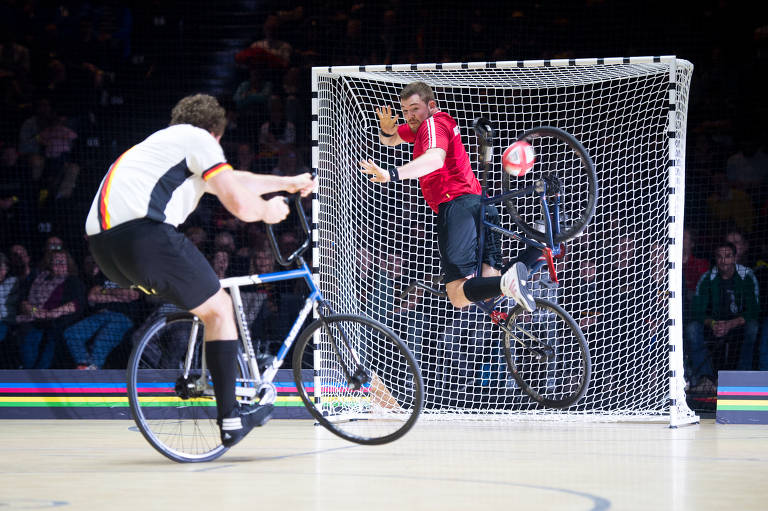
[(725, 308)]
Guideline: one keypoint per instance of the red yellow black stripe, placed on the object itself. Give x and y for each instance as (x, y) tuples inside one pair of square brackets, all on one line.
[(104, 220), (208, 174)]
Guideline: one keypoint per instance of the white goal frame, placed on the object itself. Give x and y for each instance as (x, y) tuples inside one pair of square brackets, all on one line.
[(640, 101)]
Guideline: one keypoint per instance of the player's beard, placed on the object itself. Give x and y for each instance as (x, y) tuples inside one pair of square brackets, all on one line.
[(415, 128)]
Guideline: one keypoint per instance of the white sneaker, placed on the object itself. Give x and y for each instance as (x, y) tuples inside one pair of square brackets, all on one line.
[(513, 283)]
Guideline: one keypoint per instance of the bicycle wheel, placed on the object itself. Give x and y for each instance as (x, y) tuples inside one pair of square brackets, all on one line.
[(367, 387), (567, 168), (547, 354), (177, 416)]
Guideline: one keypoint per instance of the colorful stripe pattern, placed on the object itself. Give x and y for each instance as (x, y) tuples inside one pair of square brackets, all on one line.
[(103, 395), (211, 172), (106, 187), (742, 397)]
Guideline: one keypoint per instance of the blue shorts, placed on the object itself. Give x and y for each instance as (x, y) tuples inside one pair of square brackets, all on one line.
[(458, 228)]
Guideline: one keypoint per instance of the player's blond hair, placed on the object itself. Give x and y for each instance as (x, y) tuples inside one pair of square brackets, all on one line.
[(424, 91), (200, 110)]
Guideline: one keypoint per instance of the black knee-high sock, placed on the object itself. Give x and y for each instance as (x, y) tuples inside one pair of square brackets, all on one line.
[(482, 288), (221, 357)]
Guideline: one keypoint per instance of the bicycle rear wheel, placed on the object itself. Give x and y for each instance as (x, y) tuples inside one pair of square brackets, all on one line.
[(367, 387), (176, 415), (563, 162), (547, 354)]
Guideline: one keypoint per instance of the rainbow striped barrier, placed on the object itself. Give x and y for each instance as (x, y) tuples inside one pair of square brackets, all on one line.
[(742, 397), (70, 394)]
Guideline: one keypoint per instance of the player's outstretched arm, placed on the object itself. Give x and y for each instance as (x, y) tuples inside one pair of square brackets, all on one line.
[(243, 201), (388, 127), (430, 161)]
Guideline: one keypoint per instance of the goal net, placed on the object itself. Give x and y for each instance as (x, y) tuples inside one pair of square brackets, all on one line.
[(620, 280)]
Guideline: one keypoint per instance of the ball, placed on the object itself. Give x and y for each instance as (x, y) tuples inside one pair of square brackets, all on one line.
[(518, 158)]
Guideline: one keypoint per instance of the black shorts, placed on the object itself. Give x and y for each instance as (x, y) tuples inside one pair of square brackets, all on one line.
[(156, 258), (458, 228)]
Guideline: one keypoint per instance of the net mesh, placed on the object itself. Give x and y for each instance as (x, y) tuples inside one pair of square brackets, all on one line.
[(617, 277)]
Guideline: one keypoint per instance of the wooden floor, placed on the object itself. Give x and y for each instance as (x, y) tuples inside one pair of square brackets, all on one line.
[(294, 465)]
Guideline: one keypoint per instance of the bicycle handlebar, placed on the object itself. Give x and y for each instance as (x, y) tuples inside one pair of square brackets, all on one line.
[(296, 199), (484, 132)]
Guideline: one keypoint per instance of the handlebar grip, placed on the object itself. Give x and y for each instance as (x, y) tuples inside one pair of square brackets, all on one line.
[(483, 130), (294, 198)]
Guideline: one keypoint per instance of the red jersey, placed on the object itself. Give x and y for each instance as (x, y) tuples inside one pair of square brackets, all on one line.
[(455, 177), (693, 269)]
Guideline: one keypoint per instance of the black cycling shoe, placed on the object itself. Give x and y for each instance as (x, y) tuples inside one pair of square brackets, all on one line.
[(242, 420)]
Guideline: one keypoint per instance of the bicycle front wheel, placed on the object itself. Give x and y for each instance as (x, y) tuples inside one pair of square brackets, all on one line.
[(564, 164), (359, 380), (547, 354), (176, 414)]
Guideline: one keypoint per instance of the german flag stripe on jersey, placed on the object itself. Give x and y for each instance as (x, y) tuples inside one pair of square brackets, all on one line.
[(208, 174), (104, 220)]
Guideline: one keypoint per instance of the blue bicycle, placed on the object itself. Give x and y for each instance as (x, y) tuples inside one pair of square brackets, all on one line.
[(366, 385), (545, 350)]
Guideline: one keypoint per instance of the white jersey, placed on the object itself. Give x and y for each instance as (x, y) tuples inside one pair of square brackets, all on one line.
[(161, 178)]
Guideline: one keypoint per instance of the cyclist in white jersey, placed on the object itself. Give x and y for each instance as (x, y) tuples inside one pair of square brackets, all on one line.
[(152, 188)]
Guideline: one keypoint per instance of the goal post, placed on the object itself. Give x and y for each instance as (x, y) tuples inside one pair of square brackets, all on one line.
[(621, 280)]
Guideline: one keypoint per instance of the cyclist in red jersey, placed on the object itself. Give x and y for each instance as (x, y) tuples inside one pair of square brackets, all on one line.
[(441, 164)]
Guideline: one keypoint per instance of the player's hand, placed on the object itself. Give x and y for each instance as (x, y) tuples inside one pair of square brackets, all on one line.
[(303, 183), (275, 210), (387, 123), (378, 175)]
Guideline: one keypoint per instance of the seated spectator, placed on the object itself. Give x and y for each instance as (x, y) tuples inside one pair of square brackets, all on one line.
[(246, 158), (32, 126), (21, 268), (220, 263), (52, 242), (9, 297), (739, 240), (724, 310), (251, 98), (55, 301), (275, 133), (295, 110), (261, 302), (225, 241), (57, 138), (279, 51), (288, 162), (112, 309), (197, 236)]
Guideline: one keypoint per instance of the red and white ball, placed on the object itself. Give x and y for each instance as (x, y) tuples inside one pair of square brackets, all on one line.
[(518, 158)]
